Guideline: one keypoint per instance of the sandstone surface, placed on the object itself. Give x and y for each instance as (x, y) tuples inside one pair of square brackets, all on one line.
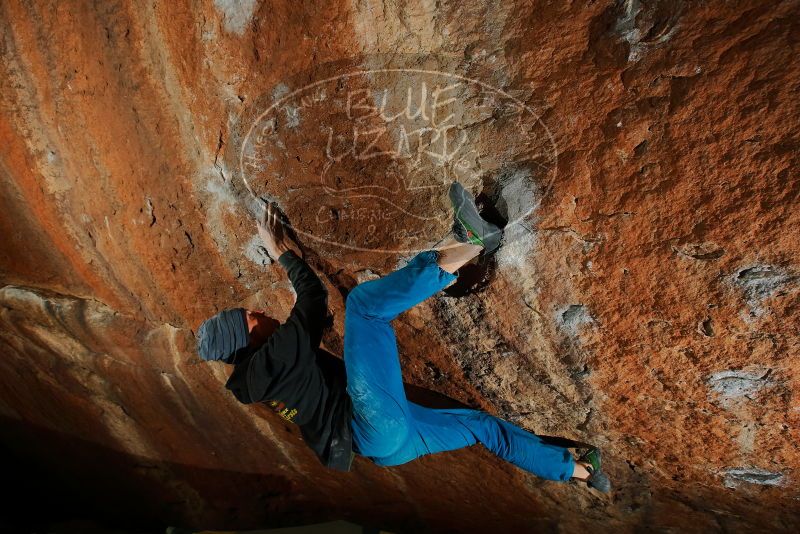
[(645, 154)]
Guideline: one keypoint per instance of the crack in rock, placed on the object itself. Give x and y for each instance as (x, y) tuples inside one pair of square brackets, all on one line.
[(700, 251), (706, 327)]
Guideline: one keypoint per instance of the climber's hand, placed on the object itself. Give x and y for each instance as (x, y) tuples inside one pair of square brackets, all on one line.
[(271, 231)]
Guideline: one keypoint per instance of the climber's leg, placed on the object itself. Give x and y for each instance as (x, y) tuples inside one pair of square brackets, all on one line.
[(581, 472), (381, 419), (388, 296), (453, 255), (374, 380), (443, 430), (375, 385)]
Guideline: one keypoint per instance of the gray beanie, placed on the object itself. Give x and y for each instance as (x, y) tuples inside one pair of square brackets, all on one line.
[(222, 335)]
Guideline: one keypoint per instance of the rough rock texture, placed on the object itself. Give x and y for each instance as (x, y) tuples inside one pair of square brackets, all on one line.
[(647, 300)]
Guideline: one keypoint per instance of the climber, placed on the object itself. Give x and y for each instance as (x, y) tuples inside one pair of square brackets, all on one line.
[(361, 407)]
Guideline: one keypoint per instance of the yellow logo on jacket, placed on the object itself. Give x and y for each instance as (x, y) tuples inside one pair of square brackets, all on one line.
[(280, 408)]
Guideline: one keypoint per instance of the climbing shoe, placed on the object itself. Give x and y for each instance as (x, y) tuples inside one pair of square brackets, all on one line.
[(469, 226), (597, 479)]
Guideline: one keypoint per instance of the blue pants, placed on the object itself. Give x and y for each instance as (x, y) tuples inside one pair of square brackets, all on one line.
[(387, 427)]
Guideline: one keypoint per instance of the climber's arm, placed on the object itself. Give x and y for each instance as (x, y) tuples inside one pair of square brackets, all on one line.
[(311, 307)]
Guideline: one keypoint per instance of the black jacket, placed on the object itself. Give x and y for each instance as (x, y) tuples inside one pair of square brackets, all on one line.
[(294, 376)]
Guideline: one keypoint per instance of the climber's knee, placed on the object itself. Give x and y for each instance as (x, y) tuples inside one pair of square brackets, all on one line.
[(383, 436), (359, 300), (389, 445)]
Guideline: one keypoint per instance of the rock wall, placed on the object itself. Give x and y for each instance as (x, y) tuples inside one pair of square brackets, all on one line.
[(646, 298)]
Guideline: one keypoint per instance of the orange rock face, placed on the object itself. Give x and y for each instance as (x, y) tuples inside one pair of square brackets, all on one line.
[(644, 155)]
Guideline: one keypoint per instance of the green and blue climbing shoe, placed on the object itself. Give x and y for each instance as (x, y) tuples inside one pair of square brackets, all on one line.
[(597, 479), (469, 226)]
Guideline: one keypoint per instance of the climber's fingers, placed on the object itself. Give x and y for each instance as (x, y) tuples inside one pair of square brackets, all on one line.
[(273, 217), (276, 222), (263, 219), (270, 221)]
